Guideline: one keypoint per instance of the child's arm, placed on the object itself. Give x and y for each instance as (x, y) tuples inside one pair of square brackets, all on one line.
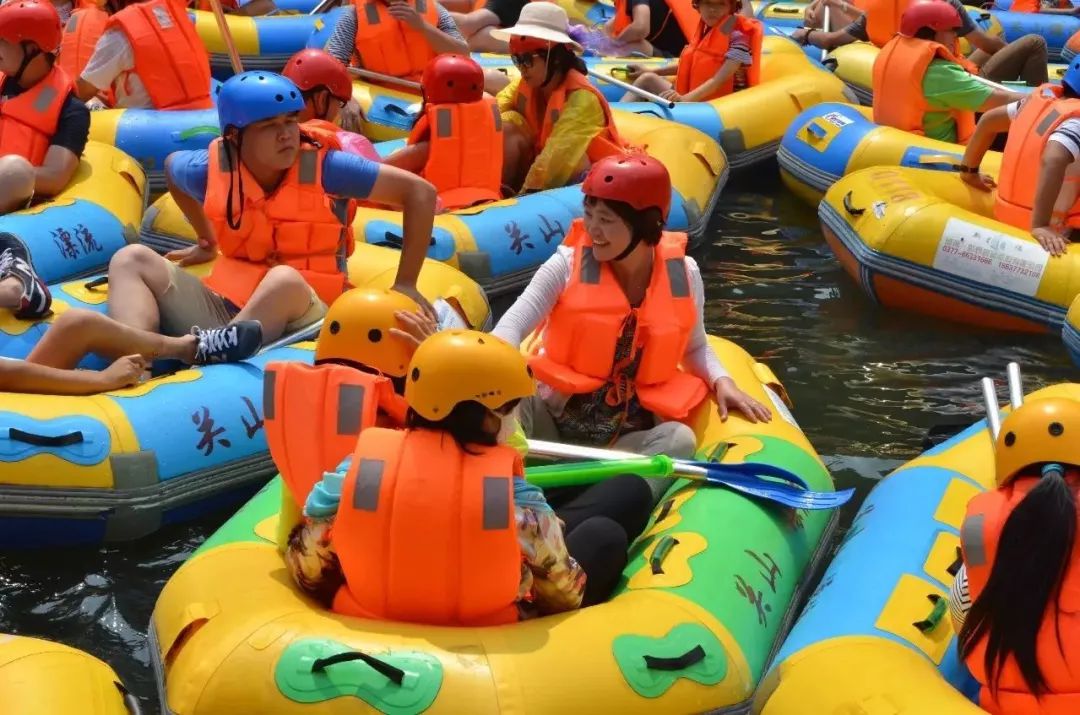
[(22, 376), (638, 29)]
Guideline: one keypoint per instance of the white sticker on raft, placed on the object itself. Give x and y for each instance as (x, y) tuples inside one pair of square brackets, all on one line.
[(837, 119), (991, 257), (782, 408)]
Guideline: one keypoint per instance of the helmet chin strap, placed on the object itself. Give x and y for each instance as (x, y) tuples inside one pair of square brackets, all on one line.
[(634, 241), (28, 57)]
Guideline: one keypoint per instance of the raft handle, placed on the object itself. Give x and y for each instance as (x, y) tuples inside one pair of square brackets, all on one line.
[(395, 675), (41, 440), (851, 209), (680, 662), (131, 703), (787, 10), (656, 561), (954, 567), (96, 283), (928, 624)]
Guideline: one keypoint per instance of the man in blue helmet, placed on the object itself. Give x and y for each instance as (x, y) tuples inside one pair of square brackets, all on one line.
[(272, 206), (1038, 195)]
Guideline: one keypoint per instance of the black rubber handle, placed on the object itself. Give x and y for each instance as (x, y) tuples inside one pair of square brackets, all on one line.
[(851, 209), (41, 440), (96, 283), (690, 657), (395, 675)]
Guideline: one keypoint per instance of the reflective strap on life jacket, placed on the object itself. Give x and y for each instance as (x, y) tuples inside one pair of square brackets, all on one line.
[(425, 531), (576, 352), (313, 414), (81, 33), (901, 65), (465, 151), (1041, 113), (297, 225), (170, 59), (388, 46), (28, 121)]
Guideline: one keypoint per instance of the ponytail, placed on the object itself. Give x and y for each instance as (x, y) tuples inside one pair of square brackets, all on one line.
[(1033, 556)]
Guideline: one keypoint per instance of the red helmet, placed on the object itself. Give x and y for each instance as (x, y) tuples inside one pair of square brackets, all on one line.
[(310, 69), (31, 21), (452, 79), (635, 179), (935, 14)]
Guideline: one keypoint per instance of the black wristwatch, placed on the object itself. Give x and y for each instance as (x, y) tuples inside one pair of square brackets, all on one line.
[(967, 169), (806, 37)]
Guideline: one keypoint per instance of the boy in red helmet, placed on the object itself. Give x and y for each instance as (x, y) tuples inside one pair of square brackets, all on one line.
[(43, 126)]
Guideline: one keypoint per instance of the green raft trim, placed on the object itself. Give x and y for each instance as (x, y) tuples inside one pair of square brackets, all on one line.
[(651, 666), (297, 679), (241, 527)]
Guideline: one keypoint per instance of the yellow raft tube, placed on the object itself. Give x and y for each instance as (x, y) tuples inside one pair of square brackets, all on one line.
[(925, 241), (708, 592), (875, 638), (39, 677), (500, 244)]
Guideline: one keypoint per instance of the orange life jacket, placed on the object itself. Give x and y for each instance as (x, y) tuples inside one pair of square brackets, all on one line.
[(682, 10), (704, 56), (170, 59), (465, 151), (81, 33), (324, 132), (605, 143), (426, 532), (297, 225), (28, 121), (1042, 112), (313, 414), (882, 18), (576, 353), (901, 66), (980, 533), (389, 46)]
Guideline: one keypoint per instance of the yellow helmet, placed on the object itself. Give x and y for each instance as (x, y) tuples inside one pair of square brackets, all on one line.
[(357, 330), (456, 366), (1042, 430)]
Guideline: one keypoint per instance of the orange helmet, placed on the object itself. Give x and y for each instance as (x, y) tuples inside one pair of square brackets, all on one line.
[(1039, 431)]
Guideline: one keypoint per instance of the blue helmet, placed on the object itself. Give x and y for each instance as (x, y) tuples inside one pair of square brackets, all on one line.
[(1072, 76), (251, 97)]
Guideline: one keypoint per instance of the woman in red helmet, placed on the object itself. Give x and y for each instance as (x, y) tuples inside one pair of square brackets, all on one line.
[(43, 125), (930, 89), (326, 87), (622, 357), (463, 158)]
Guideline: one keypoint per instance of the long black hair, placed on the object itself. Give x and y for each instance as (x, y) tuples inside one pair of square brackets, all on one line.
[(465, 424), (1033, 555), (560, 60)]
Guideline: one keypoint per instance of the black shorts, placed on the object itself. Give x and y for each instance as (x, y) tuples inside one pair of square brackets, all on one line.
[(507, 10)]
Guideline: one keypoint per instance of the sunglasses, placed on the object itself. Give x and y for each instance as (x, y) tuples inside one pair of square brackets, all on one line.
[(524, 60)]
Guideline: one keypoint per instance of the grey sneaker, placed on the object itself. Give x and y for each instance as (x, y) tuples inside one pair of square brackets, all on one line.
[(15, 262), (230, 343)]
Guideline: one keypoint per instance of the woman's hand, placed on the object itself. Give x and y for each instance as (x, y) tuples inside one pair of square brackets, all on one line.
[(124, 372), (415, 327), (633, 71), (412, 292), (193, 255), (1053, 242), (730, 397)]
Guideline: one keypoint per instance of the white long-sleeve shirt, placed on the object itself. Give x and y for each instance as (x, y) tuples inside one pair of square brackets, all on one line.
[(540, 296)]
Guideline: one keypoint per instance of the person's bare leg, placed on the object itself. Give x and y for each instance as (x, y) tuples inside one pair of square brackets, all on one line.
[(16, 183), (282, 297), (138, 278), (650, 82), (482, 41), (412, 157), (11, 290), (517, 155), (79, 332)]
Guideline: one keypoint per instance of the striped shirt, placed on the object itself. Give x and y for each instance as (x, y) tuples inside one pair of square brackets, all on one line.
[(1067, 134), (959, 599), (342, 42)]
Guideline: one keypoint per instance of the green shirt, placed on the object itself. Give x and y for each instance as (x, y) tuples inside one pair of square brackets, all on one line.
[(946, 85)]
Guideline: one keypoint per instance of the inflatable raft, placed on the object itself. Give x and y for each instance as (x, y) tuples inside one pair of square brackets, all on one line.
[(499, 245), (875, 636), (830, 141), (708, 592), (927, 242), (749, 123), (1070, 333), (264, 42), (38, 677), (76, 232)]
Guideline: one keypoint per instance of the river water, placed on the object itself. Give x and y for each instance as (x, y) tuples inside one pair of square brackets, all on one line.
[(867, 385)]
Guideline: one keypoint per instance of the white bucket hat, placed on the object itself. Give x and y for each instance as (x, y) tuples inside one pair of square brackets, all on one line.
[(543, 21)]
